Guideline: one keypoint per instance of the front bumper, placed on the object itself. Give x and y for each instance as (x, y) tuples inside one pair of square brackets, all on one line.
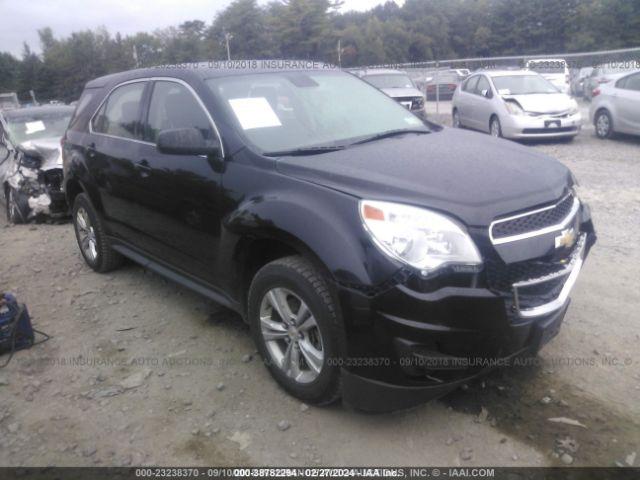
[(540, 126), (376, 396), (420, 339)]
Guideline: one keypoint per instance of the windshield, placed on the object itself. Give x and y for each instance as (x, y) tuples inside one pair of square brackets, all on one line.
[(548, 66), (294, 110), (523, 85), (24, 126), (392, 80)]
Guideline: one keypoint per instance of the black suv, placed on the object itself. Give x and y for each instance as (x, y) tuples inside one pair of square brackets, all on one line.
[(377, 257)]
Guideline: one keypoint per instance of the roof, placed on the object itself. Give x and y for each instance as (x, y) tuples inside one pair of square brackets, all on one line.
[(213, 69), (379, 71), (30, 112), (545, 60), (505, 73)]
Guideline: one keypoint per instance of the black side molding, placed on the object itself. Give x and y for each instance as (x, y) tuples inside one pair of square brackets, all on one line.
[(175, 276)]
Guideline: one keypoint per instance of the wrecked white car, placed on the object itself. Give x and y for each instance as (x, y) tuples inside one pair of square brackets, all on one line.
[(31, 162)]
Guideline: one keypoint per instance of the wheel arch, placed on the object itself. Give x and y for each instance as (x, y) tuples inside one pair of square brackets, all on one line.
[(254, 252), (74, 186), (600, 110), (318, 223)]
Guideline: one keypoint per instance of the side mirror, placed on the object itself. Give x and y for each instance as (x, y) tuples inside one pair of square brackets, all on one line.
[(486, 93), (185, 141)]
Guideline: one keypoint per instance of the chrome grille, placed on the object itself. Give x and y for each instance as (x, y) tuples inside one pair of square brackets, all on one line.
[(501, 277), (535, 221)]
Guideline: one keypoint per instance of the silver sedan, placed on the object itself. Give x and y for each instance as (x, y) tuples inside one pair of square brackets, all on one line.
[(616, 106), (515, 104)]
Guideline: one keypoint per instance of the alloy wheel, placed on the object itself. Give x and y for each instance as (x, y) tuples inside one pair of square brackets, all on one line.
[(603, 125), (86, 235), (495, 128), (291, 335), (456, 120)]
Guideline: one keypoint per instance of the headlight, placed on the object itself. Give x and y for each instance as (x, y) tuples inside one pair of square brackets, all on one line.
[(417, 237), (577, 191), (514, 108), (574, 108)]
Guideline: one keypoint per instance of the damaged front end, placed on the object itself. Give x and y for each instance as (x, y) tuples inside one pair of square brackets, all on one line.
[(33, 181)]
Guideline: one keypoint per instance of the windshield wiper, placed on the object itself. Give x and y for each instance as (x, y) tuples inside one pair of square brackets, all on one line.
[(389, 133), (304, 151)]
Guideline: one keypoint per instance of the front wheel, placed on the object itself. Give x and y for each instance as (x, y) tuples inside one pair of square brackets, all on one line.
[(456, 119), (17, 206), (495, 128), (296, 327)]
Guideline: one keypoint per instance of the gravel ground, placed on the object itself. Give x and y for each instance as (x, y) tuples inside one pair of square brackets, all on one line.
[(141, 371)]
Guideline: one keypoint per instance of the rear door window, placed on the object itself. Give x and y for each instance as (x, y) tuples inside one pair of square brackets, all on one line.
[(631, 82), (174, 106), (119, 116)]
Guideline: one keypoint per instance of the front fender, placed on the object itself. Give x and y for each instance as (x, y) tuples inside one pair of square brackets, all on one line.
[(312, 218)]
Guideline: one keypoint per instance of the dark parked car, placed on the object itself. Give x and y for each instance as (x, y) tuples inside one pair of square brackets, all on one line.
[(375, 256), (442, 85)]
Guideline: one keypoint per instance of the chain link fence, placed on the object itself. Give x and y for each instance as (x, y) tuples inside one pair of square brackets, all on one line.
[(435, 72)]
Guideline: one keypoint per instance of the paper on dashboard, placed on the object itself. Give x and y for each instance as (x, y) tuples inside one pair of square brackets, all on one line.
[(254, 112)]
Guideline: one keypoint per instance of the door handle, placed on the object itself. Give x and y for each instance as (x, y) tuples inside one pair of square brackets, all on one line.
[(144, 167), (91, 150)]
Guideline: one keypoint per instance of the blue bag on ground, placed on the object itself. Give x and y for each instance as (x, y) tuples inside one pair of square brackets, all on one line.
[(16, 331)]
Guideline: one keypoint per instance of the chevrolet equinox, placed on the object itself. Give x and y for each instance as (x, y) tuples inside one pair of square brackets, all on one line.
[(377, 257)]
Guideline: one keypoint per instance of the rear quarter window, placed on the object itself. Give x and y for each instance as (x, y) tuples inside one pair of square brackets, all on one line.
[(470, 84), (83, 111), (119, 115)]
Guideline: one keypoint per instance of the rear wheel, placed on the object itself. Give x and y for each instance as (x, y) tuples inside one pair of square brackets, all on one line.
[(495, 128), (295, 324), (91, 237), (456, 119), (603, 124)]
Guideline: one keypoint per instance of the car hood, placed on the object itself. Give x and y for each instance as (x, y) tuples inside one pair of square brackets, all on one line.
[(402, 92), (543, 102), (46, 148), (466, 174)]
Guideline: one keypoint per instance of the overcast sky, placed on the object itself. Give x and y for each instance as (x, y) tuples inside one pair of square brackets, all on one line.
[(21, 19)]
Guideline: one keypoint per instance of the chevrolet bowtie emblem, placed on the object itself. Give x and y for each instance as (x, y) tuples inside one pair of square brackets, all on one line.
[(566, 238)]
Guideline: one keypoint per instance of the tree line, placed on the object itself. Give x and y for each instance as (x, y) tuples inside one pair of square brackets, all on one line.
[(419, 30)]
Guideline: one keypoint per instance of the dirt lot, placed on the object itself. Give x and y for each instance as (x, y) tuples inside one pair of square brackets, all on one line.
[(140, 371)]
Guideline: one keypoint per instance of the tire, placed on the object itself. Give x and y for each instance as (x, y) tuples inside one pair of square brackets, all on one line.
[(495, 128), (284, 286), (92, 239), (455, 119), (603, 124), (16, 206)]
